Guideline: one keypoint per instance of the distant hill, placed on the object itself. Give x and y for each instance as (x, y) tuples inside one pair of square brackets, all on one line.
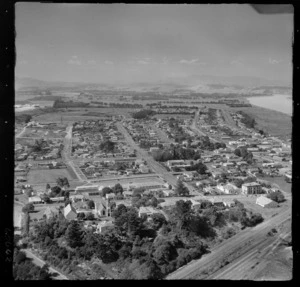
[(194, 83)]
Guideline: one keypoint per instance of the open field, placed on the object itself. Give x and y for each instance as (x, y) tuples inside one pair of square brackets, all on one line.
[(45, 176), (143, 180), (273, 122)]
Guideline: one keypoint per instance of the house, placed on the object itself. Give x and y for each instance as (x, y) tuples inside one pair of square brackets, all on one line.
[(147, 211), (265, 202), (104, 226), (228, 202), (51, 211), (251, 188), (35, 200), (228, 188), (70, 212), (76, 197)]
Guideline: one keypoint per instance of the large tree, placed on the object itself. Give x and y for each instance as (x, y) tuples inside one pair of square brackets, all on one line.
[(181, 189), (74, 234)]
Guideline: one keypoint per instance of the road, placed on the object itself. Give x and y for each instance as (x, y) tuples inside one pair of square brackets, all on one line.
[(21, 133), (237, 247), (66, 154), (197, 130), (39, 262), (154, 165)]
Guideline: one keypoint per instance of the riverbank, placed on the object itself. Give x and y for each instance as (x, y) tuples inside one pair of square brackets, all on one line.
[(273, 122), (276, 102)]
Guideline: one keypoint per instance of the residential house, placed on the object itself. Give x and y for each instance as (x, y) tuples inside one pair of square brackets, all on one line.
[(35, 200), (70, 212), (147, 211), (104, 226), (51, 211)]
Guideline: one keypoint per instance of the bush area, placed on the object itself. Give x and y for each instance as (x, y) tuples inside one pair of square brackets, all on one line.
[(24, 269), (247, 120), (143, 114), (23, 118), (137, 247)]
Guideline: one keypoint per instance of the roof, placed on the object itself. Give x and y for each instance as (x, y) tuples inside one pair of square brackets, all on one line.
[(105, 223), (251, 184), (262, 200), (68, 209), (34, 198)]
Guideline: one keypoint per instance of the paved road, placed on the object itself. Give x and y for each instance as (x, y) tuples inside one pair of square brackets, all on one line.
[(39, 262), (195, 128), (229, 250), (66, 154)]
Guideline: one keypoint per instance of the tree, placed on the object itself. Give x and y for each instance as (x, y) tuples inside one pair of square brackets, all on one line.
[(81, 216), (74, 234), (181, 189), (90, 216), (55, 190), (276, 196), (20, 257), (29, 207), (45, 198), (91, 204), (118, 188), (182, 212), (106, 190), (48, 187)]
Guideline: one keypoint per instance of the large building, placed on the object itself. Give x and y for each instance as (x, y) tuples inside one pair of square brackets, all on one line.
[(266, 202), (251, 188)]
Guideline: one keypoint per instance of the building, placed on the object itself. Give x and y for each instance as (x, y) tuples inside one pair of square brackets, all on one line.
[(147, 211), (51, 211), (89, 189), (103, 207), (35, 200), (251, 188), (70, 212), (265, 202), (104, 226)]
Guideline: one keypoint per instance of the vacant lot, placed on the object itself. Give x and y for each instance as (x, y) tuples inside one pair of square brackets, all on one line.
[(47, 176)]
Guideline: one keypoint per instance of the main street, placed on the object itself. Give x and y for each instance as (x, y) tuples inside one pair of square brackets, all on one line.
[(66, 154), (237, 247), (195, 128)]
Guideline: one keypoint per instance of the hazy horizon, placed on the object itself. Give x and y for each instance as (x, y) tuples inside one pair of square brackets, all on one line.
[(129, 43)]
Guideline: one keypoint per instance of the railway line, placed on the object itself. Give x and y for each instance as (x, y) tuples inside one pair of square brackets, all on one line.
[(246, 243)]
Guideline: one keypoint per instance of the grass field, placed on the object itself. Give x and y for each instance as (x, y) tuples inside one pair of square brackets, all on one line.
[(273, 122), (45, 176)]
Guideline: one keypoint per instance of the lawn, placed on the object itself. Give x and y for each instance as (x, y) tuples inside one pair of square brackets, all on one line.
[(47, 176)]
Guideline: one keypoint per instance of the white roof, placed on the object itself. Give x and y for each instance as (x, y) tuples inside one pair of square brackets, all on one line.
[(68, 209), (34, 198), (262, 200)]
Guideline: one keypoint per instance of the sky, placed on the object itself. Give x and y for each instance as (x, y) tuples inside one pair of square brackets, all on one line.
[(112, 43)]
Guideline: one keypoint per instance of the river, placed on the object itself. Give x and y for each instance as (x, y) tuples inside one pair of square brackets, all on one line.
[(280, 103)]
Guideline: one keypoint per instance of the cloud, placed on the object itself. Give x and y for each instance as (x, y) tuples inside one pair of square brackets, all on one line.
[(236, 62), (91, 62), (74, 61), (189, 62), (142, 62), (108, 63), (274, 61)]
